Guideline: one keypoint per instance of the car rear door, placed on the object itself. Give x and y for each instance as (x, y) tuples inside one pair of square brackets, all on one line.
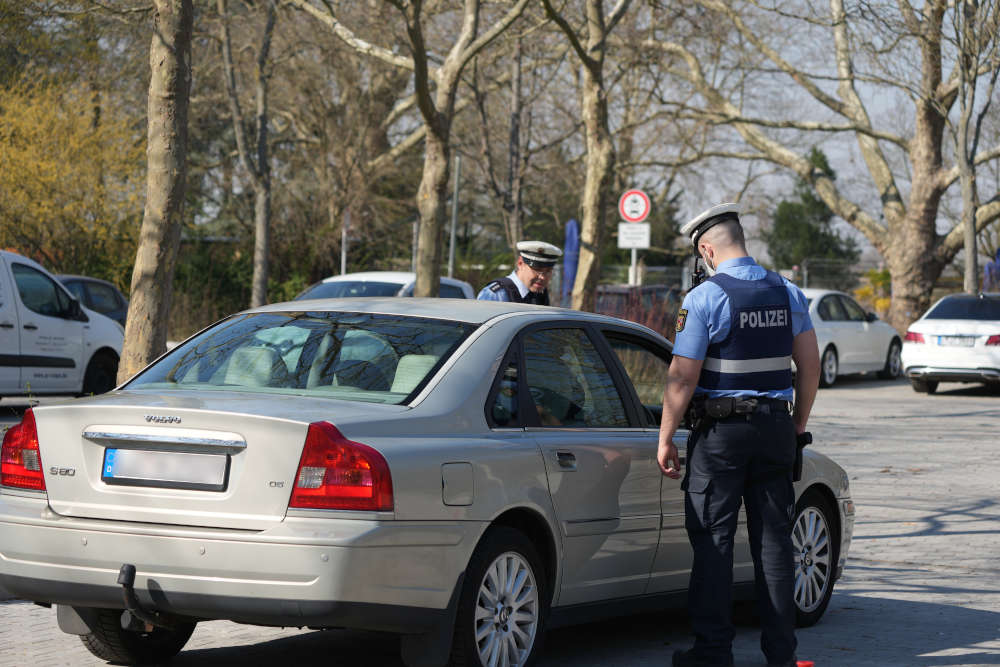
[(599, 461), (868, 343), (10, 340), (51, 338)]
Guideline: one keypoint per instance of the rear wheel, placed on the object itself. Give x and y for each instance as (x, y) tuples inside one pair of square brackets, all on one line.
[(501, 614), (815, 545), (101, 374), (893, 362), (828, 367), (924, 386), (109, 641)]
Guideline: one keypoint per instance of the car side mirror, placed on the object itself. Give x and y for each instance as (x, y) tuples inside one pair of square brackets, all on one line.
[(75, 312), (871, 317)]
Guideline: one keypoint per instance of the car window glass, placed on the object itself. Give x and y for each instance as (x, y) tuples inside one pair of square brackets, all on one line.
[(102, 297), (349, 288), (349, 356), (830, 310), (451, 291), (568, 382), (503, 408), (854, 312), (966, 308), (76, 289), (39, 293), (647, 372)]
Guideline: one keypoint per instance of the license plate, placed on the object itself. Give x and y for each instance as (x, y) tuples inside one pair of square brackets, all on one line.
[(957, 341), (169, 470)]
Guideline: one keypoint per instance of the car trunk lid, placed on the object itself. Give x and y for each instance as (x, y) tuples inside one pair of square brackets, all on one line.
[(210, 465)]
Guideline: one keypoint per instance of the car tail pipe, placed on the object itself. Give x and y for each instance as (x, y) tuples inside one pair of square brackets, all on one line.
[(135, 617)]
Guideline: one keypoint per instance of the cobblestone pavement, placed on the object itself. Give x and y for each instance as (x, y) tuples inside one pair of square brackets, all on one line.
[(921, 586)]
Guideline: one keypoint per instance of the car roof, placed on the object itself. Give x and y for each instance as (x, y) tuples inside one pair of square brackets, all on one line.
[(470, 310), (815, 292), (69, 276), (401, 277)]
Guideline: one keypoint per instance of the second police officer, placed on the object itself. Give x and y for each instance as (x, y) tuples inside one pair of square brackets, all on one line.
[(529, 281), (736, 337)]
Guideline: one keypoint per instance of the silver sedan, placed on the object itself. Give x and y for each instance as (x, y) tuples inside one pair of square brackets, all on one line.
[(465, 474)]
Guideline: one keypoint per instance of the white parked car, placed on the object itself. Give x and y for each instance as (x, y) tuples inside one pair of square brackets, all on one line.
[(381, 283), (956, 340), (464, 474), (49, 343), (850, 339)]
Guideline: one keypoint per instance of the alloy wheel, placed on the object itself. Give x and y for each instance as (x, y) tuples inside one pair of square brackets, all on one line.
[(813, 569), (507, 612)]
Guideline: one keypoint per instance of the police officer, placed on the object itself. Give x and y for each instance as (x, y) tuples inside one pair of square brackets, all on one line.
[(529, 281), (736, 336)]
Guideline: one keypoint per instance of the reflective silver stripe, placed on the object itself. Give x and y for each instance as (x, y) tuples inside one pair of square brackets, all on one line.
[(747, 365)]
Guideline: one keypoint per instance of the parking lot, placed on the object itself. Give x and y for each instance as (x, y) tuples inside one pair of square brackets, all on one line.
[(921, 586)]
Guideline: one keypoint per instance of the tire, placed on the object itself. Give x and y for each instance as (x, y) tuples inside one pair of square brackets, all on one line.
[(101, 374), (525, 595), (924, 386), (893, 363), (828, 367), (817, 549), (109, 641)]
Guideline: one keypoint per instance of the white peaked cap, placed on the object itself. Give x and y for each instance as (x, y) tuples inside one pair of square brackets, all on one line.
[(539, 252), (697, 226)]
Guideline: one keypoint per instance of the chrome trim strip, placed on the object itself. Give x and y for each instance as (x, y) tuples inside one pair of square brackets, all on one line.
[(139, 437)]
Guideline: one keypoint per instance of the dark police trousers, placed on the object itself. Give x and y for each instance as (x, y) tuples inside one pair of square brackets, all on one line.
[(746, 457)]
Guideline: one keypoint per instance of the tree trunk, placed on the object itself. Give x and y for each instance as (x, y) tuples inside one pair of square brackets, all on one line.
[(261, 241), (430, 202), (166, 154), (600, 163)]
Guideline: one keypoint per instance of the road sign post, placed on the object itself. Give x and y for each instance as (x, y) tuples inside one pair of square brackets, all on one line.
[(633, 207)]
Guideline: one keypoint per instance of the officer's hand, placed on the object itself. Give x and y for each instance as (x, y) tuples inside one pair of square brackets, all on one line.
[(670, 463)]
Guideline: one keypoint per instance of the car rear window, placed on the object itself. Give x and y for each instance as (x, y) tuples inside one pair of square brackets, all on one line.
[(348, 288), (966, 308), (351, 356)]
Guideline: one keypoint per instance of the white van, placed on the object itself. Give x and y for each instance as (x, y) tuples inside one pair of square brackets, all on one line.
[(49, 343)]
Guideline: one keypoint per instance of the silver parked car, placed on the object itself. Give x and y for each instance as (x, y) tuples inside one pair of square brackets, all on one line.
[(465, 474)]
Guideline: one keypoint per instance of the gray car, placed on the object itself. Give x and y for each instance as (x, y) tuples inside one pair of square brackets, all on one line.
[(465, 474)]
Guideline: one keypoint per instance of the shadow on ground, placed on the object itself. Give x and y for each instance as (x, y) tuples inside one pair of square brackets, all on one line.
[(859, 630)]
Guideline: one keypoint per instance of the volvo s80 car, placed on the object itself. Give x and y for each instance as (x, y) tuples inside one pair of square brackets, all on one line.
[(465, 474)]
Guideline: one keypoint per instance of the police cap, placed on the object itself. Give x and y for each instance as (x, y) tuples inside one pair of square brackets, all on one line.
[(697, 226), (538, 254)]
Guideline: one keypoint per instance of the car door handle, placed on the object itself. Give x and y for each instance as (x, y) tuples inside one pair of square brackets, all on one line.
[(30, 327), (6, 325), (566, 460)]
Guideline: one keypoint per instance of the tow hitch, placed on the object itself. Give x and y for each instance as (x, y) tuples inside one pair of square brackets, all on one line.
[(135, 617)]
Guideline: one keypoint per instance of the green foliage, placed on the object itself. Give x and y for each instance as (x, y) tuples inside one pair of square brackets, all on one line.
[(71, 186), (875, 292), (802, 227)]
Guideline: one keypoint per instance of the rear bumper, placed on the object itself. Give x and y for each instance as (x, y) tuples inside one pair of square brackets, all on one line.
[(947, 374), (376, 575)]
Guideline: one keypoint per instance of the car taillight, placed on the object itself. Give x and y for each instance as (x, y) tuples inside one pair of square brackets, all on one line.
[(914, 337), (993, 340), (20, 459), (336, 473)]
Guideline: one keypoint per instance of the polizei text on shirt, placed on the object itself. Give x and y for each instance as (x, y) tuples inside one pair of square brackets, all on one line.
[(767, 317)]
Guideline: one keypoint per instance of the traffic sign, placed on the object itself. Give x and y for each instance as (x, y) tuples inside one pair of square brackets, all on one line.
[(633, 235), (634, 206)]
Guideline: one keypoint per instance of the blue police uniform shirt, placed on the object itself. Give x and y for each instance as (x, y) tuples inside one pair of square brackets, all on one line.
[(708, 321), (487, 294)]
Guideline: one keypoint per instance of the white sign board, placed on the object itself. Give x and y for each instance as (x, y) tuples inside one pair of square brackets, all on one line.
[(633, 235), (634, 206)]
